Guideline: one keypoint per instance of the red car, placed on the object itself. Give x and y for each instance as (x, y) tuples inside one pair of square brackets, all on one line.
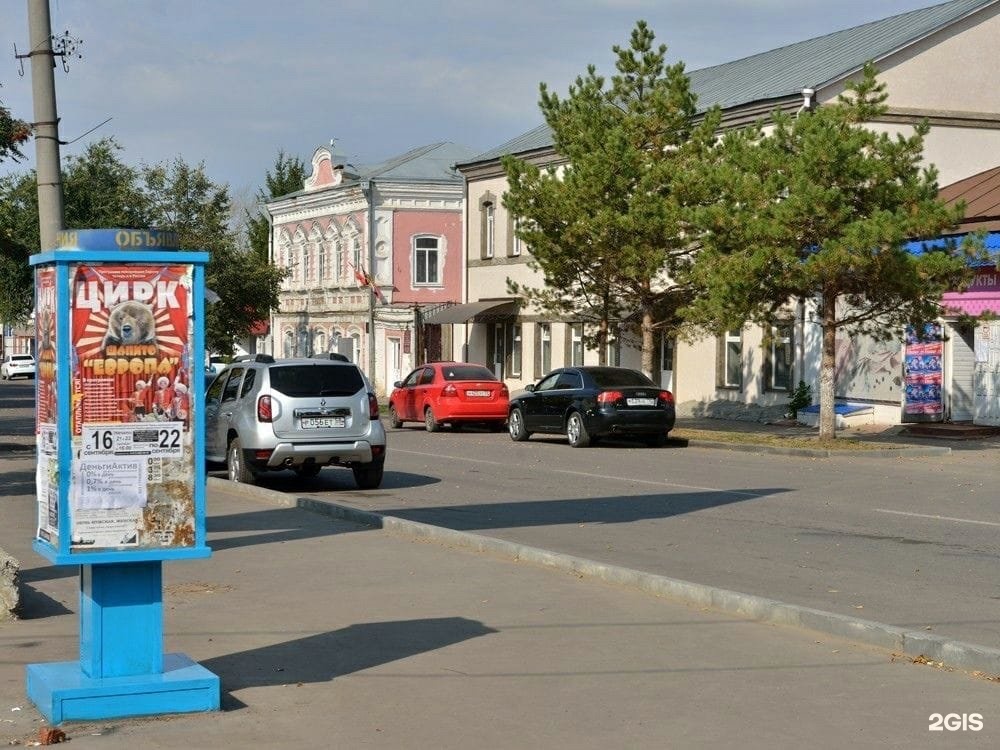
[(449, 393)]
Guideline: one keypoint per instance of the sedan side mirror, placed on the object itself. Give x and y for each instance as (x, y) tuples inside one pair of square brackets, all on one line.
[(398, 384), (529, 387)]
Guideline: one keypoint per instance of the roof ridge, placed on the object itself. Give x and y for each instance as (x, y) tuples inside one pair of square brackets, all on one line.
[(396, 161), (783, 71), (977, 5)]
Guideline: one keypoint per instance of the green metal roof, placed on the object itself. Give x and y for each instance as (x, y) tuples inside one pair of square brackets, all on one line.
[(432, 163), (785, 71)]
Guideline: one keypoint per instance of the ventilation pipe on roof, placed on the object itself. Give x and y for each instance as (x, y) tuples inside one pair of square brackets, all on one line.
[(808, 102)]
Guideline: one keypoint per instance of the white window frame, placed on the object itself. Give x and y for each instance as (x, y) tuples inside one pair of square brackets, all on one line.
[(732, 337), (418, 264), (516, 350), (515, 241), (545, 348), (612, 352), (491, 234), (780, 340), (576, 345)]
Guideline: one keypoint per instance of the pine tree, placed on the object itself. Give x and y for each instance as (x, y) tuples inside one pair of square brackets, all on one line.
[(820, 208), (606, 228), (288, 177)]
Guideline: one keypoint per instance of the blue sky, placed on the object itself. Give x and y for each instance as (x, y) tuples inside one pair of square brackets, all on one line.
[(229, 83)]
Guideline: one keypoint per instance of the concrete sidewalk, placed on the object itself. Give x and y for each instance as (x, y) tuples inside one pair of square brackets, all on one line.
[(328, 633)]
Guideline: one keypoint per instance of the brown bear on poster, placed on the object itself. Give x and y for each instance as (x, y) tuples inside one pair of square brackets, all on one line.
[(130, 322)]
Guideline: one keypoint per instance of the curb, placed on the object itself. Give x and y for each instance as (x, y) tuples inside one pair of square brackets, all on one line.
[(908, 452), (912, 643)]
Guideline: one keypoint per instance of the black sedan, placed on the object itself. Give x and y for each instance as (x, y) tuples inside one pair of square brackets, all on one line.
[(588, 403)]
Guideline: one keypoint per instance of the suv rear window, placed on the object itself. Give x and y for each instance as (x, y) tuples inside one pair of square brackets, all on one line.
[(304, 381), (467, 372)]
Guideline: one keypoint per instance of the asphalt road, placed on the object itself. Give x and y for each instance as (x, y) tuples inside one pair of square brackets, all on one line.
[(911, 542)]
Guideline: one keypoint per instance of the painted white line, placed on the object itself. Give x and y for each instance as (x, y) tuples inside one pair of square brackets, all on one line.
[(592, 476), (936, 518)]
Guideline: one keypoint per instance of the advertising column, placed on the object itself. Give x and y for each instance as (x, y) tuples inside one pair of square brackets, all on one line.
[(121, 470)]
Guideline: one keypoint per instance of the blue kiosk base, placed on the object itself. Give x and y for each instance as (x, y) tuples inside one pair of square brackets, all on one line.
[(63, 693), (122, 669)]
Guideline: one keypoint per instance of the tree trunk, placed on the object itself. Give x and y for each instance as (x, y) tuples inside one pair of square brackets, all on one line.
[(602, 342), (647, 343), (827, 416)]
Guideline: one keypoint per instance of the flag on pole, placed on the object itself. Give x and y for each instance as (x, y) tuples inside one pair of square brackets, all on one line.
[(365, 279)]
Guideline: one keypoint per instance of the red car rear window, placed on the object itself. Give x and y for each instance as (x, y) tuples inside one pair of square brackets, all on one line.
[(467, 372)]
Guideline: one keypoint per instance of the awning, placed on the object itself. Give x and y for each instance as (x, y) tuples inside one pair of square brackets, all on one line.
[(482, 311)]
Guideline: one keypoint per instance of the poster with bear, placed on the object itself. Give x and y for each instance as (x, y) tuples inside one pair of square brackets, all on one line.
[(132, 481)]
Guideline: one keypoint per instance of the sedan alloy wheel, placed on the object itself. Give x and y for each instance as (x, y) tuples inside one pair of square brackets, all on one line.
[(576, 431)]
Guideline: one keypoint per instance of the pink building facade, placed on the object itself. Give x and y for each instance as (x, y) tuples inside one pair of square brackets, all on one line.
[(368, 251)]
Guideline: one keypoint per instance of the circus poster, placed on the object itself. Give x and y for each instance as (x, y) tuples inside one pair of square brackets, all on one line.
[(132, 481)]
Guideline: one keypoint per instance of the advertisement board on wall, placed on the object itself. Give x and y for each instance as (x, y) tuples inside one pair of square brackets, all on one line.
[(131, 483), (924, 375), (47, 435)]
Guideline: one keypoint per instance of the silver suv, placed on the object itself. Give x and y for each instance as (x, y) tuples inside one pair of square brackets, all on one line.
[(300, 414)]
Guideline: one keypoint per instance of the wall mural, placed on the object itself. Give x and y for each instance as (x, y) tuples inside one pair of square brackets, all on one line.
[(869, 369)]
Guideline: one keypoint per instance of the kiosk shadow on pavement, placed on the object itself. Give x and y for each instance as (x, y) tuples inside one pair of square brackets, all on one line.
[(322, 657)]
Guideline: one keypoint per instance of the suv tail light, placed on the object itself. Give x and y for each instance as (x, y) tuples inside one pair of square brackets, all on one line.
[(449, 390), (666, 397), (372, 406), (265, 413), (609, 398)]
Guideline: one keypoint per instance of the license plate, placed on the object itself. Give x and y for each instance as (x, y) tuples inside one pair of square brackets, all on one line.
[(478, 394), (315, 423), (641, 401)]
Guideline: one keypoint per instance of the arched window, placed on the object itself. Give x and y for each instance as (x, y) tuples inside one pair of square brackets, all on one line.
[(298, 256), (335, 257), (356, 254), (316, 254)]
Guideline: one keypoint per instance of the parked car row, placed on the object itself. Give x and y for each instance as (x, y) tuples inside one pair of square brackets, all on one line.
[(263, 414), (584, 403)]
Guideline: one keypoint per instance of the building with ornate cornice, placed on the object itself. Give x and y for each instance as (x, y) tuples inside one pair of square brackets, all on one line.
[(369, 250)]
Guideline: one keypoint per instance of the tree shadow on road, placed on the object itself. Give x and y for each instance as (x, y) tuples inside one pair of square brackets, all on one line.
[(605, 510)]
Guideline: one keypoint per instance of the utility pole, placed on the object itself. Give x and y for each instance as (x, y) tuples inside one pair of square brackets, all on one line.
[(368, 190), (46, 124)]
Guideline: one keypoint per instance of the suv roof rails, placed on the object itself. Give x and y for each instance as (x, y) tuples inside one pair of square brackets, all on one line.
[(264, 358), (335, 356)]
